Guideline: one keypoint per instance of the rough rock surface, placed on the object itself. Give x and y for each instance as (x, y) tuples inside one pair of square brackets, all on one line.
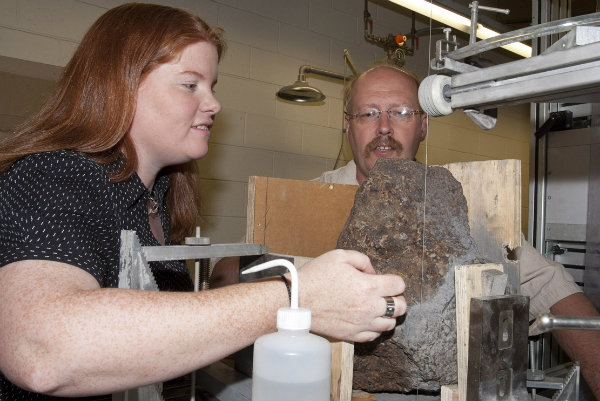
[(386, 223)]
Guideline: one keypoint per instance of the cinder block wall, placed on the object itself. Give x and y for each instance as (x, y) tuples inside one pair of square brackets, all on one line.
[(257, 134)]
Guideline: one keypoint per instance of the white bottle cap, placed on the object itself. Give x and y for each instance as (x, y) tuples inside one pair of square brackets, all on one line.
[(292, 318)]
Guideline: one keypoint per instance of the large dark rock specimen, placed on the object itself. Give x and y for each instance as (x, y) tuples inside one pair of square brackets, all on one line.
[(386, 223)]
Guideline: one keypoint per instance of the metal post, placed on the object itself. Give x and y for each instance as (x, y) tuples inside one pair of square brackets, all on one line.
[(201, 283), (474, 17)]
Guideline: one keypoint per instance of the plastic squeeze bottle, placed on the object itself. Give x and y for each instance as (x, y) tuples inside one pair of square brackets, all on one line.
[(291, 364)]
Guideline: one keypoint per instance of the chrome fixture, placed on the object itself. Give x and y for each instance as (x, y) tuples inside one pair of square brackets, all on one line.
[(301, 91)]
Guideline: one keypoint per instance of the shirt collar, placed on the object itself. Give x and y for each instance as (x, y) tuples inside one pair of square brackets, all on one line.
[(133, 189), (161, 185)]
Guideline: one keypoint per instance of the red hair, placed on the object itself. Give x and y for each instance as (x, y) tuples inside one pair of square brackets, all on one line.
[(92, 107)]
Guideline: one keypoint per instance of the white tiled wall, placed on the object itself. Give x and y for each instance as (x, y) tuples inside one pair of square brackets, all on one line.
[(257, 134)]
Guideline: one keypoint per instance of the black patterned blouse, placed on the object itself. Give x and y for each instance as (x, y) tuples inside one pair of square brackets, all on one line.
[(61, 206)]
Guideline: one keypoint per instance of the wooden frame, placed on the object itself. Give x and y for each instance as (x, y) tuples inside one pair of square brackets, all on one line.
[(304, 218)]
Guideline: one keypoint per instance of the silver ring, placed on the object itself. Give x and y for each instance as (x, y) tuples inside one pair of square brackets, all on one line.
[(390, 307)]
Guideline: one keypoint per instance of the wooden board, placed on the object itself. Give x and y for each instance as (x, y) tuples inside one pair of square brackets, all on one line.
[(293, 217), (305, 218), (342, 363), (493, 192), (467, 284), (449, 393)]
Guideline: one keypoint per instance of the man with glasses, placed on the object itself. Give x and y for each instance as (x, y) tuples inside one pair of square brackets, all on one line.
[(383, 119)]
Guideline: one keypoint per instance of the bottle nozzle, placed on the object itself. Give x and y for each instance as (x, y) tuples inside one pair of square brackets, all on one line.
[(293, 272), (292, 318)]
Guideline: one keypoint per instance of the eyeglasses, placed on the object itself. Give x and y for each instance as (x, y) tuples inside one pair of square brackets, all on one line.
[(370, 116)]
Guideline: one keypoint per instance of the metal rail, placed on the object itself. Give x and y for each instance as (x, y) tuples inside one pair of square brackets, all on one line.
[(547, 322), (185, 252), (519, 35)]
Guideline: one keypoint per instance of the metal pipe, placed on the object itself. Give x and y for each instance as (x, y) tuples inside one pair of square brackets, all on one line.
[(475, 7), (301, 91), (320, 71), (547, 322), (496, 10), (520, 35), (350, 62), (474, 17)]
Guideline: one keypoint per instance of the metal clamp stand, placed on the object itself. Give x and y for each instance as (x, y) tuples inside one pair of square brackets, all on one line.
[(134, 272), (201, 276), (565, 377)]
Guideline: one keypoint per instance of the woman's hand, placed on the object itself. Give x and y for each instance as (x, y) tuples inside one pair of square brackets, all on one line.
[(347, 298)]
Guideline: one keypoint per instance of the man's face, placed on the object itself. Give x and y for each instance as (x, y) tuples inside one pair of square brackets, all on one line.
[(384, 89)]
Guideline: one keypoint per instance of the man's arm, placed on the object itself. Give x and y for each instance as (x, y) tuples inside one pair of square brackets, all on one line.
[(552, 289), (580, 345)]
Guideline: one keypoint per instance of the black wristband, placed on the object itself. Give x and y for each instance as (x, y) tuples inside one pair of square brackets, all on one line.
[(287, 286)]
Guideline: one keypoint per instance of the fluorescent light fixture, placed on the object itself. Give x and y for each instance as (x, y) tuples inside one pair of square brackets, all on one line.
[(459, 22)]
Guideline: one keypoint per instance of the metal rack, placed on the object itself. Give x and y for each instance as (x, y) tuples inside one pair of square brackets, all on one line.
[(568, 70)]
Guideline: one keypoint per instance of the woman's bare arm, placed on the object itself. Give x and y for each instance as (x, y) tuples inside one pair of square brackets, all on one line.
[(61, 334)]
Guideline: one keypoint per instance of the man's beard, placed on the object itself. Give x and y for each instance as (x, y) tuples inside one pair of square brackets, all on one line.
[(383, 141)]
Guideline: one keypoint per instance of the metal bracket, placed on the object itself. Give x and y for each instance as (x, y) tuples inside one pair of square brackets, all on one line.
[(134, 272), (186, 252), (563, 378), (497, 367)]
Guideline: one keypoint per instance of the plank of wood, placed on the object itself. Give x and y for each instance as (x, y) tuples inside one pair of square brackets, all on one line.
[(293, 217), (492, 189), (256, 202), (342, 364), (305, 218), (468, 284), (449, 393)]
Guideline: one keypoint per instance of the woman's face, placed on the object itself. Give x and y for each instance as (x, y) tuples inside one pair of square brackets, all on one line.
[(175, 110)]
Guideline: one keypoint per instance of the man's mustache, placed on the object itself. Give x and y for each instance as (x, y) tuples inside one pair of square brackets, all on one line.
[(383, 141)]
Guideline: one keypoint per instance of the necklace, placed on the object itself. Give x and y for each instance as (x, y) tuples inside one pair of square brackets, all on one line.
[(152, 205)]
